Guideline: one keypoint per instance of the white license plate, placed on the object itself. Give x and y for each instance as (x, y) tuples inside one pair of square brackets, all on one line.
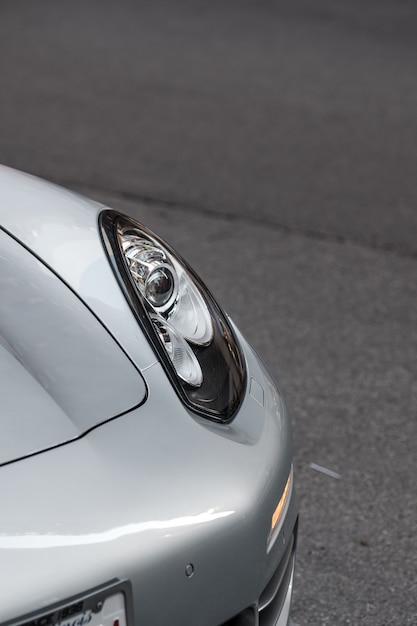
[(110, 612), (109, 605)]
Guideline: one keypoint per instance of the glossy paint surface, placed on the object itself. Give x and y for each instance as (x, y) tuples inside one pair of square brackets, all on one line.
[(141, 498), (61, 373), (60, 227), (179, 506)]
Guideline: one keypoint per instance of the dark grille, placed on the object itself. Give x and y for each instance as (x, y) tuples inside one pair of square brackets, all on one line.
[(245, 618), (272, 597)]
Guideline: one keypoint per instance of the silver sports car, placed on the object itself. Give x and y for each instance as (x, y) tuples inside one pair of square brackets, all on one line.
[(146, 466)]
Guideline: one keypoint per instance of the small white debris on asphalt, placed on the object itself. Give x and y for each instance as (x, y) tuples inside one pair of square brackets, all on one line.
[(324, 470)]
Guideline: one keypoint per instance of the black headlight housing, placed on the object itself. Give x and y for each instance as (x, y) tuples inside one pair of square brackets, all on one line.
[(190, 333)]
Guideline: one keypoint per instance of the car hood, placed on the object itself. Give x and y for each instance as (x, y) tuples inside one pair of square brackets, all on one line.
[(61, 372), (61, 228)]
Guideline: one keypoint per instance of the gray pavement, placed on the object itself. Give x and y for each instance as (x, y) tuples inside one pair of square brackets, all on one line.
[(275, 145)]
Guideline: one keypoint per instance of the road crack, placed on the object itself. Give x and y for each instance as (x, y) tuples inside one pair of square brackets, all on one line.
[(375, 244)]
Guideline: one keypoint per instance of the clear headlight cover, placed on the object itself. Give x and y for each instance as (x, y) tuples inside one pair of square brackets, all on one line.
[(187, 328)]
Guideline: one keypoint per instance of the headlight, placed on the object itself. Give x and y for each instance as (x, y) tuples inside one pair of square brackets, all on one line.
[(188, 330)]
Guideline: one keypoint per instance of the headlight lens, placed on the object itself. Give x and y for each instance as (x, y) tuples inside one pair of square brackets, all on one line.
[(187, 328)]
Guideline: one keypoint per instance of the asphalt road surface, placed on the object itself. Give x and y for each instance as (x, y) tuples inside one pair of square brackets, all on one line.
[(275, 145)]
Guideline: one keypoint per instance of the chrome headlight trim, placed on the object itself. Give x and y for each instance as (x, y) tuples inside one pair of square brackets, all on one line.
[(187, 329)]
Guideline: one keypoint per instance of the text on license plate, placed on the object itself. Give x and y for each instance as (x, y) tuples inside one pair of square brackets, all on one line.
[(112, 612)]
